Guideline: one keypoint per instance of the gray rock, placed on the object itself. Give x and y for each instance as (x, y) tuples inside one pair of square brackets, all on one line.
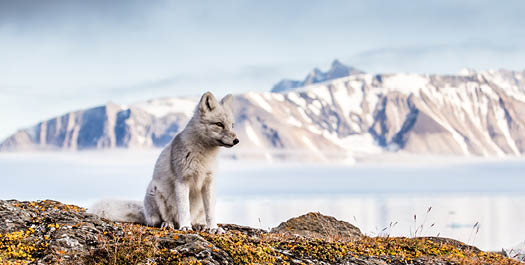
[(337, 70), (316, 225), (49, 232)]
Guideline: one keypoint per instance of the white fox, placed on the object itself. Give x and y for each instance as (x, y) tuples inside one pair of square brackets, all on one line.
[(182, 190)]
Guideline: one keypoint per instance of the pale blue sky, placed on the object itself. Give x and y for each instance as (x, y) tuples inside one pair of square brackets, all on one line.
[(61, 55)]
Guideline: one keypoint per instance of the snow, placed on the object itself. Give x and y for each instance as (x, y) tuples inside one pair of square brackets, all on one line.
[(165, 106), (295, 98), (260, 101), (511, 89), (323, 93), (466, 72), (405, 83), (437, 95), (502, 124), (372, 100), (305, 117), (356, 144), (314, 129), (252, 135), (489, 92), (308, 143), (455, 135), (294, 122), (349, 102), (315, 107), (277, 96), (355, 126), (466, 103)]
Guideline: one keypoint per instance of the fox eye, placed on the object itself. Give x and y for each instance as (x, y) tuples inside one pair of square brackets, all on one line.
[(219, 124)]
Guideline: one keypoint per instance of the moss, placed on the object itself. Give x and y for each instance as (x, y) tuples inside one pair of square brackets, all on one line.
[(278, 248), (121, 243), (244, 249), (21, 246)]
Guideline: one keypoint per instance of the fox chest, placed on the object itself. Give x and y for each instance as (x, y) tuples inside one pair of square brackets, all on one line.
[(197, 169)]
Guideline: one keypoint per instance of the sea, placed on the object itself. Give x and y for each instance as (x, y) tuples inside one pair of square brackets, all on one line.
[(478, 201)]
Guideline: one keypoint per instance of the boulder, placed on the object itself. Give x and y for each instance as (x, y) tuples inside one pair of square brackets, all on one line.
[(49, 232), (317, 225)]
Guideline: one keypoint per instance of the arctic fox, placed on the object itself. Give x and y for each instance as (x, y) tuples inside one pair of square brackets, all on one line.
[(182, 190)]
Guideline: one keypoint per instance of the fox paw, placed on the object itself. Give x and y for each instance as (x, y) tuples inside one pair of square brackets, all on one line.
[(215, 230), (199, 227), (167, 225), (185, 228)]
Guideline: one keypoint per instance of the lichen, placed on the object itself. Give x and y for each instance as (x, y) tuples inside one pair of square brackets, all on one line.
[(42, 236), (21, 246)]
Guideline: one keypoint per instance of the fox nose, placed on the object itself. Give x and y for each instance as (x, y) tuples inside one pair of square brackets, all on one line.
[(236, 141)]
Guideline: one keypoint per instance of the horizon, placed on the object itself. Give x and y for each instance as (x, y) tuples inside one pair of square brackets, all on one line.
[(371, 112), (67, 55), (4, 134)]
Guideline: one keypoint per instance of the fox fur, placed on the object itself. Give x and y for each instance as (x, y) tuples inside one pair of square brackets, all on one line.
[(181, 192)]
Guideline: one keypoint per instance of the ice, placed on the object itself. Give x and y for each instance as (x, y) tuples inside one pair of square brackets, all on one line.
[(376, 192)]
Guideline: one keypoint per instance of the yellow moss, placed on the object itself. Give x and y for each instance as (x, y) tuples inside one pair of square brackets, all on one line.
[(246, 250), (19, 246), (243, 249), (132, 244)]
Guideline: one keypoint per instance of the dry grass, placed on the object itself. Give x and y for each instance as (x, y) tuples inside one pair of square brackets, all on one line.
[(133, 244), (272, 248)]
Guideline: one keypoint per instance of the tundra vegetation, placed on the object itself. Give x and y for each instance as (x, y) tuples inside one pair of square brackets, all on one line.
[(50, 232)]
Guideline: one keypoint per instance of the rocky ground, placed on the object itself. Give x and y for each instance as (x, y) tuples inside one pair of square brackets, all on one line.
[(48, 232)]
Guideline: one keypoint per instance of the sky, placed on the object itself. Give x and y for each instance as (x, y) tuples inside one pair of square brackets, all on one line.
[(62, 55)]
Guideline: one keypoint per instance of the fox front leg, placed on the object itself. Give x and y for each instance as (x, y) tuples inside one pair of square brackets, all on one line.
[(208, 198), (182, 201)]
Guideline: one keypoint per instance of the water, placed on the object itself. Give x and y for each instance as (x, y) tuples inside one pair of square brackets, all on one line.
[(373, 195)]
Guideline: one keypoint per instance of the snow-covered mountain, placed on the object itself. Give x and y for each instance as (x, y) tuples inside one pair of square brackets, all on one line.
[(480, 114), (337, 70)]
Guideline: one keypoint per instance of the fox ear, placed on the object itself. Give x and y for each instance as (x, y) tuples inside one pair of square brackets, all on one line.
[(227, 101), (207, 103)]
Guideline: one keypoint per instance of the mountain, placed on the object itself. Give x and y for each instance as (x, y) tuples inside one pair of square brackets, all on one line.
[(469, 114), (337, 70)]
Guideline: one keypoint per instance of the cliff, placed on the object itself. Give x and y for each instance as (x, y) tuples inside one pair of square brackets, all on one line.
[(471, 114)]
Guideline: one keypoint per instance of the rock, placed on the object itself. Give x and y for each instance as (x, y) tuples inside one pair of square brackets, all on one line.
[(243, 229), (196, 246), (316, 225), (415, 113), (49, 232), (337, 70)]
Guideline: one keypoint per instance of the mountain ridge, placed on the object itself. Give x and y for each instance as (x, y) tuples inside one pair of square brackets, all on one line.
[(470, 114), (337, 70)]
